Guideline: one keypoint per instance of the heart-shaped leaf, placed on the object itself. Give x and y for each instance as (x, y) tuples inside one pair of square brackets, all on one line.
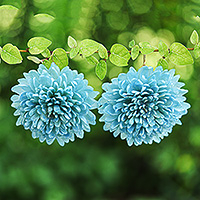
[(103, 52), (146, 48), (88, 47), (11, 54), (134, 52), (163, 49), (119, 55), (194, 38), (179, 54), (38, 44), (72, 42), (101, 69), (59, 56)]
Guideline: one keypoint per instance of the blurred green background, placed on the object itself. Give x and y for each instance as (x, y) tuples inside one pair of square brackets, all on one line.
[(100, 167)]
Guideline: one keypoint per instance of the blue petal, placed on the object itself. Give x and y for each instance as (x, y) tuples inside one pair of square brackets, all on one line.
[(145, 71)]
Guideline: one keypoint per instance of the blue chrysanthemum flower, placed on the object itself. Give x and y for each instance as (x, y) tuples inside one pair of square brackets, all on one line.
[(54, 104), (143, 106)]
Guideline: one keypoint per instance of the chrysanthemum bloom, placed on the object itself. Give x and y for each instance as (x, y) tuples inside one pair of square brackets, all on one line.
[(54, 104), (143, 106)]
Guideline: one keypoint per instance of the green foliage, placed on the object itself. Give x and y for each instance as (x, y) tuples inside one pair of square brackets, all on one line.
[(34, 59), (179, 54), (71, 42), (163, 49), (162, 62), (92, 60), (146, 48), (197, 50), (59, 56), (131, 43), (46, 53), (88, 47), (134, 52), (38, 44), (74, 52), (119, 55), (194, 38), (10, 54), (103, 52), (101, 69), (47, 63)]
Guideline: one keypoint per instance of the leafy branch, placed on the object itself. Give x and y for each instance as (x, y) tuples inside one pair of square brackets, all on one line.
[(118, 54)]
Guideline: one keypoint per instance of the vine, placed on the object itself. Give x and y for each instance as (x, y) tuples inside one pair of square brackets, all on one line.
[(118, 54)]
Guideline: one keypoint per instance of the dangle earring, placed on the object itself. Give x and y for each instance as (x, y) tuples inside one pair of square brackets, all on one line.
[(54, 104), (144, 105)]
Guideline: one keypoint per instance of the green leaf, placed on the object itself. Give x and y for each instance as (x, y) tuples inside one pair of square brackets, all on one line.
[(44, 18), (179, 54), (163, 49), (46, 53), (72, 42), (0, 50), (34, 59), (101, 69), (162, 62), (10, 54), (131, 44), (92, 60), (59, 56), (73, 52), (119, 55), (8, 7), (88, 47), (47, 63), (196, 51), (194, 38), (146, 48), (8, 14), (38, 44), (103, 52), (135, 52)]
